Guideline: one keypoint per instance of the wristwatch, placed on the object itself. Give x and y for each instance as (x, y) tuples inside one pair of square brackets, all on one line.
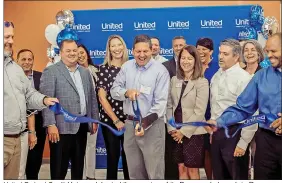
[(31, 131)]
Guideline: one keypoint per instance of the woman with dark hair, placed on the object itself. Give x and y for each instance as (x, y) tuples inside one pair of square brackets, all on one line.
[(205, 48), (85, 60), (187, 102)]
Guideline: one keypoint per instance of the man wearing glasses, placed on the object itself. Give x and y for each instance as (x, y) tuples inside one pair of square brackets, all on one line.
[(18, 96)]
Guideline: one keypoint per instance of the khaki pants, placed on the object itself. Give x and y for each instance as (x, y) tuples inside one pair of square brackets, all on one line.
[(24, 153), (12, 156)]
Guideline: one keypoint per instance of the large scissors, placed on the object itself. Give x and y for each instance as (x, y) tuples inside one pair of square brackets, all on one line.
[(137, 114)]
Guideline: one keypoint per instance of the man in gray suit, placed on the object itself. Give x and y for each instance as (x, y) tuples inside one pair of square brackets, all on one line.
[(72, 85)]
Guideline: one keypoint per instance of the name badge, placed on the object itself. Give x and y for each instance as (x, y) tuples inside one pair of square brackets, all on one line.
[(145, 89), (178, 85)]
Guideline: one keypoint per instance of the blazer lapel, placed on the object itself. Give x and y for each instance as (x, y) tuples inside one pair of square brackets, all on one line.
[(63, 69), (178, 87), (36, 79), (189, 87), (85, 80)]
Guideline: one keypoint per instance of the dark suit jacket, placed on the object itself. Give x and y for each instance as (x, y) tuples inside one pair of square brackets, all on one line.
[(57, 82), (171, 67), (38, 117)]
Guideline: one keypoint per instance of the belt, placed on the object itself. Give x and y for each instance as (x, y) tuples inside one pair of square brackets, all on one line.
[(14, 135)]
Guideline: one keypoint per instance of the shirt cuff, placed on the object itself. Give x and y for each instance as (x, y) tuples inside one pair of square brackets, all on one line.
[(220, 123), (242, 144), (121, 94)]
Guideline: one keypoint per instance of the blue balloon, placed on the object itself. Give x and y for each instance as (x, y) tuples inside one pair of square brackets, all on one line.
[(56, 50), (265, 63), (67, 34), (257, 17), (247, 33)]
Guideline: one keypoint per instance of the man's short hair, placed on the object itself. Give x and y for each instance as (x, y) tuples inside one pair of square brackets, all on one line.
[(66, 41), (142, 38), (234, 44), (154, 37), (178, 37), (24, 50), (205, 42)]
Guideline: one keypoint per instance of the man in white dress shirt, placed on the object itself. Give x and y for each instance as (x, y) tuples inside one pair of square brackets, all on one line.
[(229, 155)]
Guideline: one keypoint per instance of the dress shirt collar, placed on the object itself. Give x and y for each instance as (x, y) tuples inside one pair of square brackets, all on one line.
[(70, 69), (145, 66), (175, 58), (234, 67), (279, 69), (7, 59), (156, 57), (31, 74)]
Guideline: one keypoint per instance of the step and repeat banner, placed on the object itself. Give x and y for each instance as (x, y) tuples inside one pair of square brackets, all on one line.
[(95, 26)]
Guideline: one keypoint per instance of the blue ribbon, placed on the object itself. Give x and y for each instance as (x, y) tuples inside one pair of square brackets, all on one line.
[(70, 118), (264, 119), (137, 114)]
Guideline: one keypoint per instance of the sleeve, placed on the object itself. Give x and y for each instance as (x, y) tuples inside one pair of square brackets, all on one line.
[(118, 89), (201, 102), (247, 135), (169, 107), (95, 110), (47, 87), (34, 99), (246, 105)]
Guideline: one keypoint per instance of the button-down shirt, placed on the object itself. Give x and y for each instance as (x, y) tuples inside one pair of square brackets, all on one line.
[(30, 77), (226, 86), (18, 96), (75, 75), (160, 58), (152, 80), (262, 93)]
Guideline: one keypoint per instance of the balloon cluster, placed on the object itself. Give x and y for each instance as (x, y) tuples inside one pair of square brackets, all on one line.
[(56, 33), (258, 24), (259, 28)]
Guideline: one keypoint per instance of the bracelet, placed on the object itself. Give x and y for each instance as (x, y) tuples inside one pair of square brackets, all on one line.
[(117, 121), (33, 132)]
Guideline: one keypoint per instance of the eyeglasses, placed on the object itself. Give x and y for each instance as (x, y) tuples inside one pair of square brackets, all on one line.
[(8, 24)]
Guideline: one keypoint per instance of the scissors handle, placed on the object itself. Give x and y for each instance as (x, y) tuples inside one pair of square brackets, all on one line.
[(137, 113)]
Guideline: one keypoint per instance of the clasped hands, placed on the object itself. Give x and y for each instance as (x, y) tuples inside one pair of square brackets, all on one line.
[(177, 136)]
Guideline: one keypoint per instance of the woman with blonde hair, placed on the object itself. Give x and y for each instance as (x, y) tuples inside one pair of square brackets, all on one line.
[(111, 111), (187, 102)]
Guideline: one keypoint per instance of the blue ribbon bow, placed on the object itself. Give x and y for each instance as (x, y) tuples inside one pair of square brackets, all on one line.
[(70, 118), (137, 114), (264, 119)]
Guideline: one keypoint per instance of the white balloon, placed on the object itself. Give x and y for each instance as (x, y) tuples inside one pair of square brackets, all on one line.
[(57, 58), (261, 40), (51, 33)]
